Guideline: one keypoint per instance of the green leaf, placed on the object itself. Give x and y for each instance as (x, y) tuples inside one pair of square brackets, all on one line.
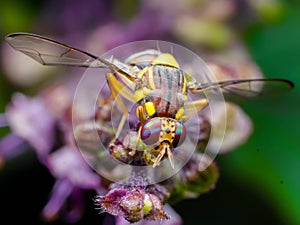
[(270, 160)]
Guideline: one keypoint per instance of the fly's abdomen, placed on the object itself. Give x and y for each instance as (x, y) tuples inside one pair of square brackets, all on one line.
[(167, 85)]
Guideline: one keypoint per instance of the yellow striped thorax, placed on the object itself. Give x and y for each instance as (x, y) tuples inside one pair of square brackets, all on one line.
[(163, 88)]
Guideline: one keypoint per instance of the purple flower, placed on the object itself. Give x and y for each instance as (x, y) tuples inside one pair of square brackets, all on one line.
[(64, 164), (73, 175), (35, 122), (11, 146), (135, 200), (30, 120), (133, 204), (62, 190)]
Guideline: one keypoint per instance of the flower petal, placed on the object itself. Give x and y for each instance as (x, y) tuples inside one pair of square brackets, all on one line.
[(31, 120), (11, 146), (238, 128), (67, 163), (60, 192)]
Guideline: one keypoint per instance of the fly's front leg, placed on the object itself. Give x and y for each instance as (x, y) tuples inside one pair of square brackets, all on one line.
[(117, 89)]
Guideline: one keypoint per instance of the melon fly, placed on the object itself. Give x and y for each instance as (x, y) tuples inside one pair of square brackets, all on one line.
[(152, 80)]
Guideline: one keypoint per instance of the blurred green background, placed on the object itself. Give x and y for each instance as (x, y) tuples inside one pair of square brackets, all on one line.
[(259, 181)]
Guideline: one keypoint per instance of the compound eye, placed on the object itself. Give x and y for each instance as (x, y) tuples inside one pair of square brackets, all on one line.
[(150, 131), (180, 134)]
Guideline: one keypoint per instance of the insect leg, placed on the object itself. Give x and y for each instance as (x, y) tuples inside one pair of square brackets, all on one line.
[(193, 107), (117, 89)]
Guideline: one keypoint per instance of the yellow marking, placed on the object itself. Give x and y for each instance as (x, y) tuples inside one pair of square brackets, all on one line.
[(184, 118), (165, 59), (179, 113), (150, 108), (166, 141), (140, 114), (170, 125), (148, 205), (184, 85), (142, 72), (139, 95), (146, 91), (147, 156), (150, 78)]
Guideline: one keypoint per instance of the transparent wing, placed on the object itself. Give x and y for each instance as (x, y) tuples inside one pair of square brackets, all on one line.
[(245, 88), (50, 52)]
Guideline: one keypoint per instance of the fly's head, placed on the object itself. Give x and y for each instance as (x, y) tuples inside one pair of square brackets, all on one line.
[(161, 135)]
